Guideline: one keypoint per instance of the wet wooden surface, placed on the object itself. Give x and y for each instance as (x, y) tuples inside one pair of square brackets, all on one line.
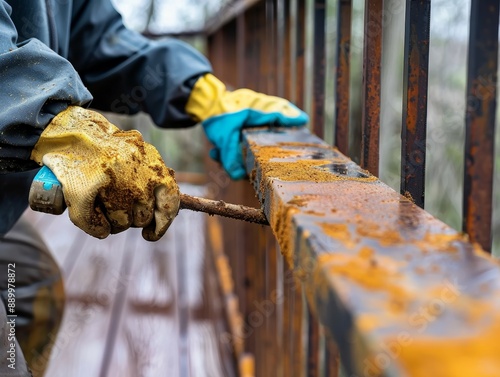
[(136, 308)]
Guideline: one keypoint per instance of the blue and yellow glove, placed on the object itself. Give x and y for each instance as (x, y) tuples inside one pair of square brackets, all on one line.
[(223, 114)]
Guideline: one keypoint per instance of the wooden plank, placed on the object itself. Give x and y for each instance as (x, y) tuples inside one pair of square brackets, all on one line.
[(122, 312), (90, 290), (165, 326), (148, 323), (63, 239)]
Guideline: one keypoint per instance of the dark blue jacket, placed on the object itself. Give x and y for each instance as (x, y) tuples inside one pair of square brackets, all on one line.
[(54, 53)]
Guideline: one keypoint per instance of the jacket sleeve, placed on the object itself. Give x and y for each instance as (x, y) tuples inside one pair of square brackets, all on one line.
[(36, 84), (126, 72)]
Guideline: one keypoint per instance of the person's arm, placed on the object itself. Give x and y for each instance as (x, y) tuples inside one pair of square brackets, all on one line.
[(35, 85), (127, 72), (111, 179), (169, 80)]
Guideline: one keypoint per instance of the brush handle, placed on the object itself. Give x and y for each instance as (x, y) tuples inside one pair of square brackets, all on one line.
[(46, 196), (46, 193)]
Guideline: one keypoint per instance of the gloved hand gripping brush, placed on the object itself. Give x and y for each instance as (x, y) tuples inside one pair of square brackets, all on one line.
[(46, 196), (111, 179)]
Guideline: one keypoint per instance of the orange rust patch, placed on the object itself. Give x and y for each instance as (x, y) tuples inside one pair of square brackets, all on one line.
[(372, 272), (278, 152), (303, 170), (408, 196), (339, 232), (461, 356), (298, 201), (281, 224), (441, 242), (386, 237), (314, 213), (300, 170), (419, 270), (368, 322)]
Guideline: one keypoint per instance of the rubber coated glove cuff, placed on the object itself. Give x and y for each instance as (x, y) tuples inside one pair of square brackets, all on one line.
[(223, 114)]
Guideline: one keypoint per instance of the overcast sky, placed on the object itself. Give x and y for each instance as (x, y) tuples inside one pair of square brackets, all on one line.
[(171, 15), (448, 19)]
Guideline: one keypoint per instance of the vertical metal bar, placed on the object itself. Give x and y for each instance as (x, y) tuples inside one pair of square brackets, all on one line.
[(372, 60), (292, 50), (313, 345), (270, 53), (319, 68), (255, 27), (280, 48), (300, 53), (297, 346), (413, 134), (342, 76), (252, 73), (216, 54), (480, 120), (332, 362), (293, 349), (277, 327), (293, 345), (240, 49), (269, 342)]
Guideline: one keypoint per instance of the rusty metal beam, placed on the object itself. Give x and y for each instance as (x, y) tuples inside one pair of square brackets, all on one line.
[(480, 121), (342, 73), (400, 292), (372, 61), (414, 130)]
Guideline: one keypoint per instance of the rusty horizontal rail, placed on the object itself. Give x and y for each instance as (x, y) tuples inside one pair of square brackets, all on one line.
[(400, 292)]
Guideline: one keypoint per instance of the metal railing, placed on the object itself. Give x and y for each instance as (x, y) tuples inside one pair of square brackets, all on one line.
[(350, 267)]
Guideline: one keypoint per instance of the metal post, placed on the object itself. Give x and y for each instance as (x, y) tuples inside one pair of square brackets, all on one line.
[(372, 60), (480, 120), (413, 134)]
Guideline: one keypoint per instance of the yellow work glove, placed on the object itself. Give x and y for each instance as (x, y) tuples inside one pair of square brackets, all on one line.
[(111, 179), (223, 114)]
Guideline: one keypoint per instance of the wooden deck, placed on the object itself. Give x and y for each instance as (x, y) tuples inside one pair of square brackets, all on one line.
[(136, 308)]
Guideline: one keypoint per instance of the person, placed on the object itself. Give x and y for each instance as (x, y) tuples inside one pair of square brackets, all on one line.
[(57, 58)]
